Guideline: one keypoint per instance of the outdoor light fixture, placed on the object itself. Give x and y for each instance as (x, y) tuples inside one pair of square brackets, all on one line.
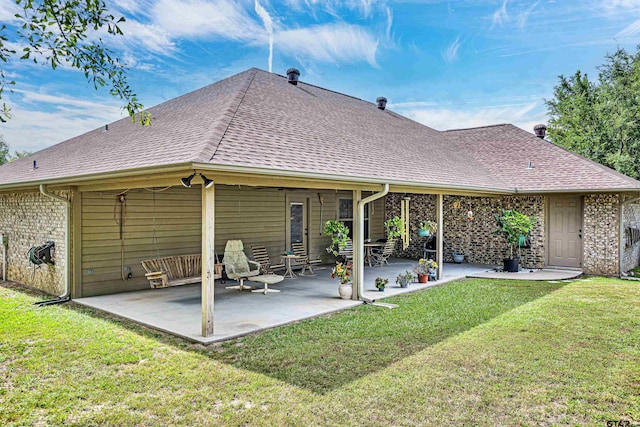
[(206, 181), (187, 181)]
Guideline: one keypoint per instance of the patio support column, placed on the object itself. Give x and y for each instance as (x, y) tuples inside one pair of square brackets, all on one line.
[(208, 258), (358, 245), (440, 236)]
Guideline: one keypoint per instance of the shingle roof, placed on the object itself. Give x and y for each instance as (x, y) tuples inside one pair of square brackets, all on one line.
[(506, 150), (257, 119)]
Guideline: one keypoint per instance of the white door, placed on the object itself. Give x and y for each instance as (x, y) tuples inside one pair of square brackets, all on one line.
[(297, 225)]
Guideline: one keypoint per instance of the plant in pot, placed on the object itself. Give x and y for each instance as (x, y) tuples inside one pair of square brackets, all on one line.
[(381, 283), (343, 273), (339, 234), (404, 279), (512, 225), (458, 256), (426, 268), (427, 228), (393, 226)]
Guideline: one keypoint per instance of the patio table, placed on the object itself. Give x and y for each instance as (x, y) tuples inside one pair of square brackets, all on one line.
[(369, 247), (287, 260)]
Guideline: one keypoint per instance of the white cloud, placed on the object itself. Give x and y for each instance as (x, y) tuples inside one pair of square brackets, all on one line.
[(630, 31), (501, 15), (330, 43), (524, 16), (623, 4), (451, 53), (153, 37), (8, 10), (34, 127), (442, 118), (268, 26), (226, 19)]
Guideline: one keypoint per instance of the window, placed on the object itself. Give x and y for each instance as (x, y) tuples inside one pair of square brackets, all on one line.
[(345, 214)]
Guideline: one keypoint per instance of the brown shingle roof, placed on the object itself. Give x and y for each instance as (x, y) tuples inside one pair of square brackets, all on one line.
[(257, 119), (506, 151)]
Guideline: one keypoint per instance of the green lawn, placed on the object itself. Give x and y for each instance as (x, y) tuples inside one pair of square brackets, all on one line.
[(472, 352)]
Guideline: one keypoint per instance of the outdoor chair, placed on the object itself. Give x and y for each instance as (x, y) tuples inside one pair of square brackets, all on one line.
[(261, 256), (304, 261), (237, 265), (346, 253), (382, 257)]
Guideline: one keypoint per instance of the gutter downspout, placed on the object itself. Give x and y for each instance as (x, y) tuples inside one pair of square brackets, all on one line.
[(621, 234), (67, 249), (360, 239)]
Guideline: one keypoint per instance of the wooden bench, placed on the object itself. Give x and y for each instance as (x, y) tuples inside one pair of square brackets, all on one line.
[(176, 270)]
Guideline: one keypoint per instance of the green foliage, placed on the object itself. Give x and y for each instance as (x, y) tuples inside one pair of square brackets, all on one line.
[(432, 226), (601, 119), (5, 153), (393, 227), (380, 283), (513, 224), (404, 279), (66, 32), (339, 236)]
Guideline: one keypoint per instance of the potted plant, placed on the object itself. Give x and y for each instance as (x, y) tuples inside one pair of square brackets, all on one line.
[(404, 279), (458, 258), (381, 283), (343, 273), (512, 225), (339, 236), (425, 269), (393, 227), (427, 228)]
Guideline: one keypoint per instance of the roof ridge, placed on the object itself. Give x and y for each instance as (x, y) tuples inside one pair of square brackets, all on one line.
[(220, 126), (478, 127)]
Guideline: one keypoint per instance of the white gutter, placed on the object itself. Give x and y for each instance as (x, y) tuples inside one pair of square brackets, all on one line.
[(360, 238), (621, 234), (67, 246)]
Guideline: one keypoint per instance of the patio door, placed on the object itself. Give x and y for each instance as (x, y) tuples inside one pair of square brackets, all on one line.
[(565, 231), (297, 221)]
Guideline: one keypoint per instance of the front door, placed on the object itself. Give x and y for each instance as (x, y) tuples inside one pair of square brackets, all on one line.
[(297, 228), (565, 231)]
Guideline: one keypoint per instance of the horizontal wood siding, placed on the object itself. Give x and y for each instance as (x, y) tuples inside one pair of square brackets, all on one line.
[(170, 225)]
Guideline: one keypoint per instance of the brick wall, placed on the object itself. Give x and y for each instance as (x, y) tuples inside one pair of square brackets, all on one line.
[(600, 234), (475, 239), (631, 257), (31, 219)]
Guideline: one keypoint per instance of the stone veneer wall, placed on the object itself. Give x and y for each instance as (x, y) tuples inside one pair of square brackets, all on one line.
[(475, 239), (31, 219), (631, 218), (600, 234)]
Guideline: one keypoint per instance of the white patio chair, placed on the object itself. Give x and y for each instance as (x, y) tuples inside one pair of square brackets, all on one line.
[(237, 265)]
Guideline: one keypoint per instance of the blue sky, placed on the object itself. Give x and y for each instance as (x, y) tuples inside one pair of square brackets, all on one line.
[(448, 64)]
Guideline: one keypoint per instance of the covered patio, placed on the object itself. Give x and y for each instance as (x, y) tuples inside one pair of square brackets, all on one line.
[(176, 310)]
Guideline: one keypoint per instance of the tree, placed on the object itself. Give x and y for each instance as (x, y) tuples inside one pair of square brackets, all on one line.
[(5, 153), (68, 32), (601, 119)]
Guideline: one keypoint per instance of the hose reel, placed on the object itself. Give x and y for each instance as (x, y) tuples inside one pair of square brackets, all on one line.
[(43, 254)]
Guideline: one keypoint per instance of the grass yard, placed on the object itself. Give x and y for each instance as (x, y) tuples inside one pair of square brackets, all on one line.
[(473, 352)]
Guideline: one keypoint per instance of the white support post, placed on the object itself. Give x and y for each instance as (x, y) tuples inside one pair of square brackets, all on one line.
[(208, 259), (358, 246), (440, 237)]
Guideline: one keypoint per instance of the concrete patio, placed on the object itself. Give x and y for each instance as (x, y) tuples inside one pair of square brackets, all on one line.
[(177, 310)]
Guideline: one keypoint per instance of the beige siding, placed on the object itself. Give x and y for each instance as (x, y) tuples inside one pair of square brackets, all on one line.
[(170, 225), (156, 224)]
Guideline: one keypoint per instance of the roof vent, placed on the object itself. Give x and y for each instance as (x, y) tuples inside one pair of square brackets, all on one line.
[(35, 164), (540, 131), (382, 102), (293, 74)]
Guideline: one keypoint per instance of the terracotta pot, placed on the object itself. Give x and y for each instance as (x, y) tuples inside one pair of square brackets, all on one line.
[(423, 278), (345, 290)]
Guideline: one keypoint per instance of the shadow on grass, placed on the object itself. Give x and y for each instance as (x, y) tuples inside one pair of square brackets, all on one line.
[(326, 352)]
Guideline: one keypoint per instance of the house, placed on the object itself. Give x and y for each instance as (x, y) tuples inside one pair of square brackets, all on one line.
[(286, 156)]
